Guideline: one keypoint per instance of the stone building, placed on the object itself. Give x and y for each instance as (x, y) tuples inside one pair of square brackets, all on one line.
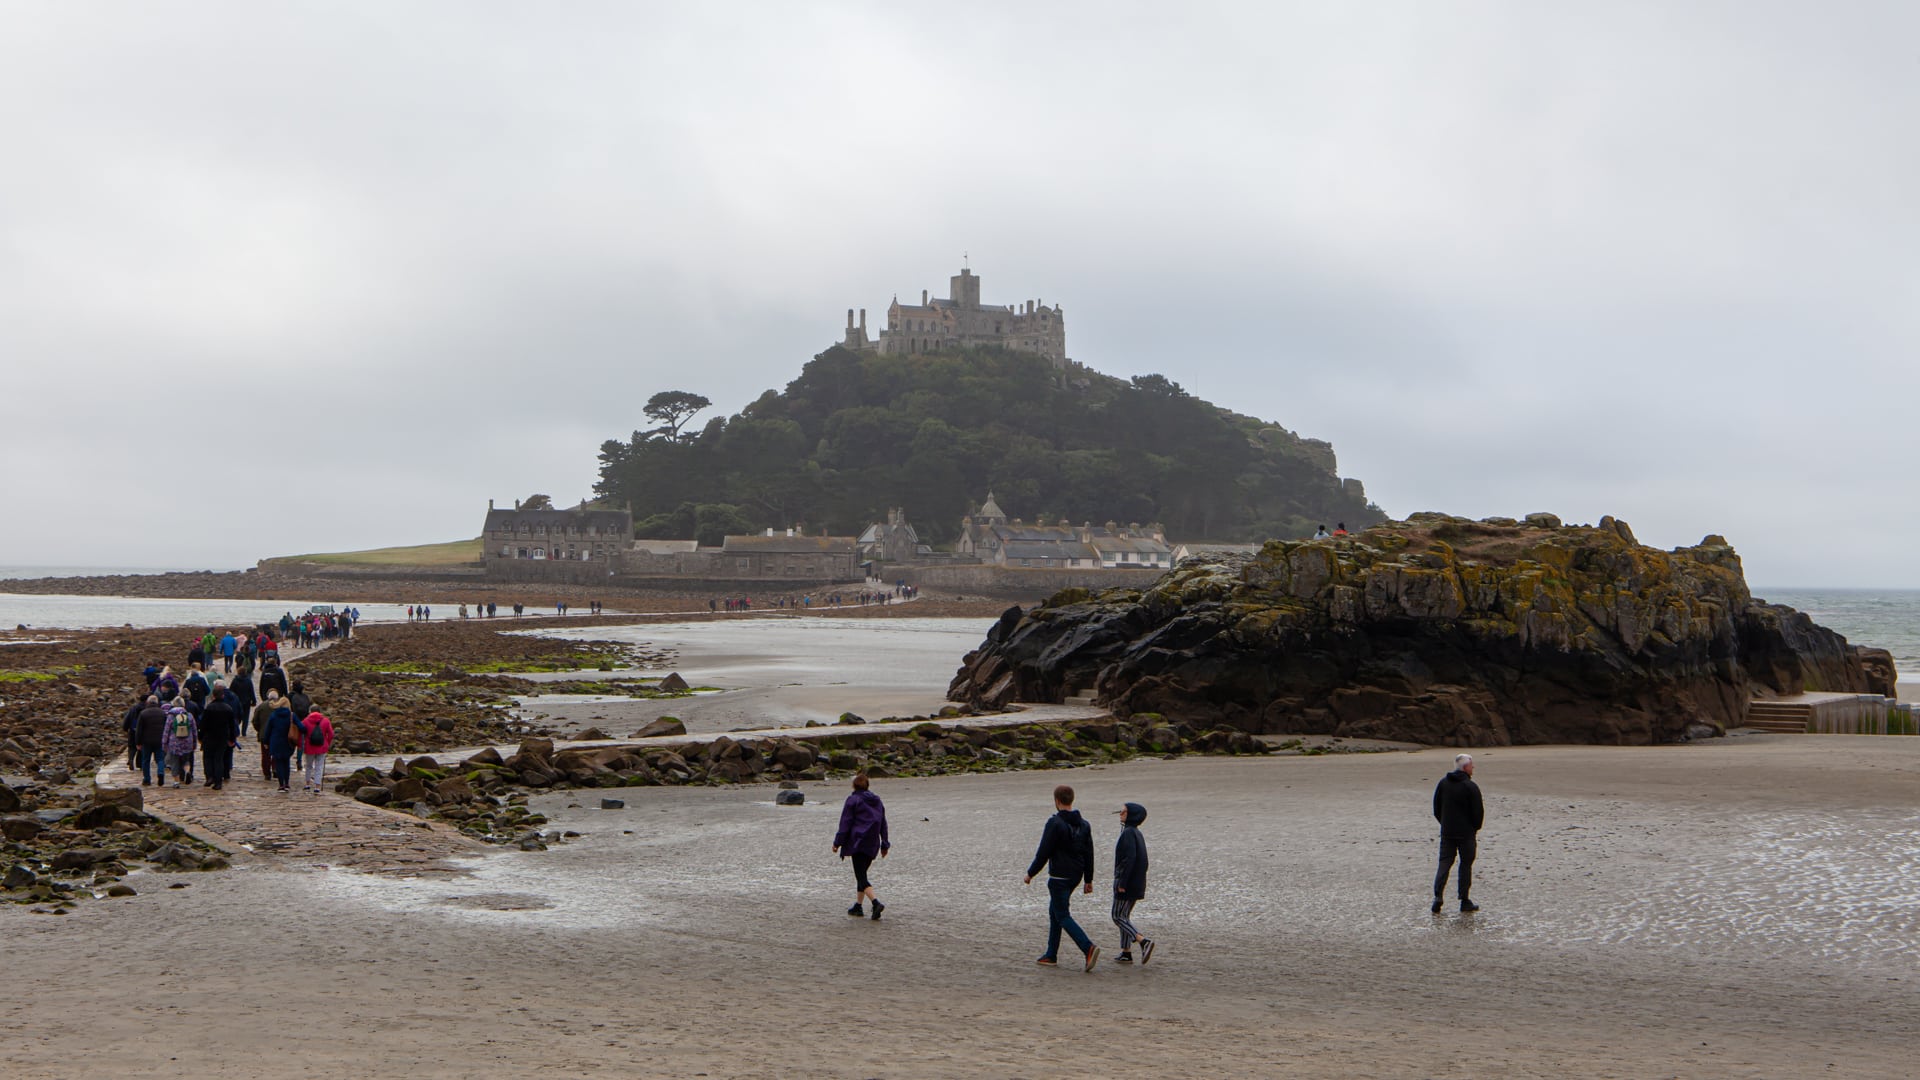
[(892, 540), (987, 535), (938, 324), (592, 540)]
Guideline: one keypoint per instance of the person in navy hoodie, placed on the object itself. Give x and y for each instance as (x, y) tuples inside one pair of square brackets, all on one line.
[(862, 837), (1066, 850), (1130, 881)]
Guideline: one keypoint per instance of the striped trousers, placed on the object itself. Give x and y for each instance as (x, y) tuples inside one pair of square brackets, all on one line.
[(1123, 918)]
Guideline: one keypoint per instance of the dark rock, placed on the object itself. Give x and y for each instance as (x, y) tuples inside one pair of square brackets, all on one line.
[(121, 890), (674, 682), (442, 723), (1882, 678), (9, 799), (410, 790), (1437, 630), (99, 817), (373, 795), (664, 726), (592, 734), (81, 858), (56, 776), (21, 828), (852, 718), (613, 804), (793, 756), (414, 766), (486, 757), (19, 877), (176, 855), (789, 785), (453, 790), (789, 798), (361, 746)]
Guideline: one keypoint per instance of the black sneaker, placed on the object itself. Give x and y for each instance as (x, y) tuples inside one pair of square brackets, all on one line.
[(855, 911), (1124, 958), (1468, 905), (878, 907), (1436, 905), (1146, 950)]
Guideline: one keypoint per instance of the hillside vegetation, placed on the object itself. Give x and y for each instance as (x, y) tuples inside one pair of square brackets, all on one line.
[(857, 433), (454, 553)]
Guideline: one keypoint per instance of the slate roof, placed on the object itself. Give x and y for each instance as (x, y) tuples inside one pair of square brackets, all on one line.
[(788, 545), (1023, 549), (614, 521)]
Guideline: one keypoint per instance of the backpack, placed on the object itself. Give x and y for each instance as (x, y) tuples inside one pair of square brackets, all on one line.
[(182, 726)]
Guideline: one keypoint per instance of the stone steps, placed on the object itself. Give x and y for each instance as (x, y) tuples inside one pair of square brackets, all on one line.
[(1831, 714)]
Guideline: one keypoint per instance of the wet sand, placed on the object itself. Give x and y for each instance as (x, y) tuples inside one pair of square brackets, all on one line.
[(1742, 907)]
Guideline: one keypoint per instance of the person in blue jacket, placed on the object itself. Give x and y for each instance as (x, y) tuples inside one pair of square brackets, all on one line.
[(1130, 881), (862, 837), (279, 739)]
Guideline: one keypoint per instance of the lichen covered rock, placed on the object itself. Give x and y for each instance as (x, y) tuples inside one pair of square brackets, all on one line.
[(1437, 630)]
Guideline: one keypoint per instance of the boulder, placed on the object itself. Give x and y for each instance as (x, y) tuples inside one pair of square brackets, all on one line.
[(488, 757), (408, 791), (9, 799), (361, 746), (99, 817), (789, 798), (613, 804), (592, 734), (793, 756), (121, 890), (126, 796), (19, 877), (673, 681), (1436, 630), (21, 828), (665, 726), (176, 855), (373, 795), (444, 724), (453, 790), (81, 858), (422, 762)]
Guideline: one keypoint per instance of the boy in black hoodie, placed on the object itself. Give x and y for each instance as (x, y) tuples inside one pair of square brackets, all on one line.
[(1066, 850), (1130, 881)]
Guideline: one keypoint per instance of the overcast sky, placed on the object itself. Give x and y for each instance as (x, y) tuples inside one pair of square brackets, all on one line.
[(288, 277)]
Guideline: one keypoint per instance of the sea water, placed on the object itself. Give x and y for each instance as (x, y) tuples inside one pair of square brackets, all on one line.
[(1883, 618)]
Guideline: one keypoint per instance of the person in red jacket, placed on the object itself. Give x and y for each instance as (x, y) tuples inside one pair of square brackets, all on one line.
[(316, 738)]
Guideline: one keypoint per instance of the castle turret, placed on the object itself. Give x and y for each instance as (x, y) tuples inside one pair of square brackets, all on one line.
[(966, 290)]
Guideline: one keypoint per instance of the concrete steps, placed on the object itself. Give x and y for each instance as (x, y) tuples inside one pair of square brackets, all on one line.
[(1822, 713), (1785, 717)]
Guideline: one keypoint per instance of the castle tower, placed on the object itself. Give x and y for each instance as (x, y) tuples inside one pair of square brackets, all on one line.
[(966, 290)]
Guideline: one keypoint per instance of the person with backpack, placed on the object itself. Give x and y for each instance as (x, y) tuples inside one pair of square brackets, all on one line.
[(197, 685), (1066, 850), (862, 837), (316, 738), (1130, 881), (182, 735), (301, 705), (217, 737), (166, 685)]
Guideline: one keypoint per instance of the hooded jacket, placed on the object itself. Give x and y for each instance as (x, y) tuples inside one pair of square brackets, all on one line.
[(175, 742), (279, 732), (863, 826), (1130, 855), (316, 733), (1066, 848), (1456, 806), (217, 724)]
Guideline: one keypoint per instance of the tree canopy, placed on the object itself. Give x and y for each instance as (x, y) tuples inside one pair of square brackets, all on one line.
[(858, 432), (537, 502)]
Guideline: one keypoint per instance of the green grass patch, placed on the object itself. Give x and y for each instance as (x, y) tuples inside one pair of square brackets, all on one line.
[(455, 553), (37, 676)]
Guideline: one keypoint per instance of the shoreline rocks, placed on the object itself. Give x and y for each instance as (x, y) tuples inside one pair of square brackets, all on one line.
[(1435, 630)]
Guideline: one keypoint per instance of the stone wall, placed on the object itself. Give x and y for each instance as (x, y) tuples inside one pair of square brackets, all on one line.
[(1014, 581)]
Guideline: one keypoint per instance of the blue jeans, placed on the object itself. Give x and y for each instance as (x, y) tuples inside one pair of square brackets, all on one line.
[(153, 755), (1059, 894)]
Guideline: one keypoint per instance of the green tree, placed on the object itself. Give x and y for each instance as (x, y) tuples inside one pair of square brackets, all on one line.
[(671, 409)]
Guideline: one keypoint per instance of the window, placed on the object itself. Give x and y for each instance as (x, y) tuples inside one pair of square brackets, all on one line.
[(506, 552), (523, 553), (742, 564)]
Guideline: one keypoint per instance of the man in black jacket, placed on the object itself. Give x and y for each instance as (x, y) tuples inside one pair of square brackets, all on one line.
[(218, 731), (1066, 850), (1456, 806), (152, 729)]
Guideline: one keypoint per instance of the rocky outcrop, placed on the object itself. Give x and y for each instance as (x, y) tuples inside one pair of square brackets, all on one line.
[(1437, 630)]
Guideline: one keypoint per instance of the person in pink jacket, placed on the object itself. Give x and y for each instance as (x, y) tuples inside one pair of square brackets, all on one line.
[(316, 738)]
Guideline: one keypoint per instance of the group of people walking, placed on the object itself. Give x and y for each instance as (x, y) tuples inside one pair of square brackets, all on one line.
[(1066, 855), (175, 717)]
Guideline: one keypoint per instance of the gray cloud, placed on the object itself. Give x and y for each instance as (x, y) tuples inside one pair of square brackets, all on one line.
[(308, 277)]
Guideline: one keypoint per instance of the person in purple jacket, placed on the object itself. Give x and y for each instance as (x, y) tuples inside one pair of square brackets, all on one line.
[(862, 835)]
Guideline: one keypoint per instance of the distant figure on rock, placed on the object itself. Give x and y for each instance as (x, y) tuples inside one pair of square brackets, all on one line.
[(1130, 881), (1066, 850), (862, 837), (1322, 534), (1456, 806), (1340, 529)]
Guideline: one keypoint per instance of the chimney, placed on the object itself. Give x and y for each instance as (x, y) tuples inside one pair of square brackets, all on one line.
[(489, 504), (923, 298), (863, 320), (849, 318), (516, 504)]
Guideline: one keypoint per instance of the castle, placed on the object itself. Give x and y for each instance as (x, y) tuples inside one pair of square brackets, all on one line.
[(938, 324)]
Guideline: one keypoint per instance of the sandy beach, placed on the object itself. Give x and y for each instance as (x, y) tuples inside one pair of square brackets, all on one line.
[(1737, 908)]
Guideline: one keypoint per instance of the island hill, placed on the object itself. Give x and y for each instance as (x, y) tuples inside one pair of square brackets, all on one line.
[(1441, 630)]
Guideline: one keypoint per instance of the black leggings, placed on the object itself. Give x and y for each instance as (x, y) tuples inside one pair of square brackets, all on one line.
[(860, 865)]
